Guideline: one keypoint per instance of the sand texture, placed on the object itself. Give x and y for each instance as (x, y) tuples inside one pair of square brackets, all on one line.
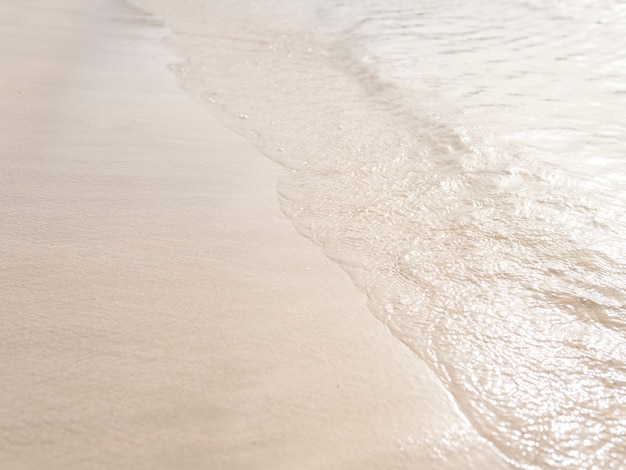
[(157, 310)]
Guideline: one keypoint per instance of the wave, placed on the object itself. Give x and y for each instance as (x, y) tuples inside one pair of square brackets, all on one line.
[(502, 270)]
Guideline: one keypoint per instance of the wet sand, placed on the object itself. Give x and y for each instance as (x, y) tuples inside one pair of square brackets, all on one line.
[(158, 311)]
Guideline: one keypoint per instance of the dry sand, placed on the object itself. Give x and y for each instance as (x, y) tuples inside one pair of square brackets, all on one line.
[(157, 310)]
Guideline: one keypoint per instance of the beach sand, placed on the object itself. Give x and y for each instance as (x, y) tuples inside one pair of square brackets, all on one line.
[(157, 309)]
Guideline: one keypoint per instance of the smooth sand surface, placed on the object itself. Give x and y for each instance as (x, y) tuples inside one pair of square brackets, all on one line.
[(157, 310)]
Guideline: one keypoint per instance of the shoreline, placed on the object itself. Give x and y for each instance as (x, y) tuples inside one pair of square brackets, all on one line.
[(160, 311)]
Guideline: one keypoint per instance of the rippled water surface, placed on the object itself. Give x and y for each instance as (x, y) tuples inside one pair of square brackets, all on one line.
[(465, 163)]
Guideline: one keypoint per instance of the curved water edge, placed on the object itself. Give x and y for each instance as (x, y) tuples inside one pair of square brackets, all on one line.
[(483, 216)]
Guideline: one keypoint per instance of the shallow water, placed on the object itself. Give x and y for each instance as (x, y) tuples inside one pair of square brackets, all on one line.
[(464, 162)]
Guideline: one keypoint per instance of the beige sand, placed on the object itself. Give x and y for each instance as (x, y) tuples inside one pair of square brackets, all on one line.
[(157, 309)]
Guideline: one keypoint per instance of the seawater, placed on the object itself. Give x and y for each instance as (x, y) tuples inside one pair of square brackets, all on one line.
[(465, 163)]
